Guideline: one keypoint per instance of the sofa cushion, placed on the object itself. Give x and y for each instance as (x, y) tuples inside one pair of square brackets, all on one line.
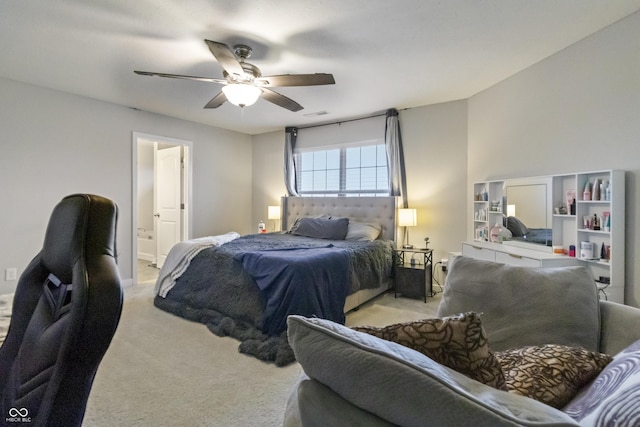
[(612, 398), (458, 342), (551, 374), (525, 306), (405, 387)]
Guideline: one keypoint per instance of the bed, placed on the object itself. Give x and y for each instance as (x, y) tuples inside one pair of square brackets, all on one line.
[(245, 286)]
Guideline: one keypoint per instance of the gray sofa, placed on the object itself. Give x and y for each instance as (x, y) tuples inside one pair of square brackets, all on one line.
[(353, 378)]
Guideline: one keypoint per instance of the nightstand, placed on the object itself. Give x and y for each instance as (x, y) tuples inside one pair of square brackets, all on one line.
[(413, 273)]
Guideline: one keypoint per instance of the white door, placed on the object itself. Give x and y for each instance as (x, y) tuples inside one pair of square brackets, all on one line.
[(167, 201)]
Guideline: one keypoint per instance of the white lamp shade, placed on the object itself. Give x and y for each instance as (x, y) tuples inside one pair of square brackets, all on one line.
[(273, 212), (407, 218), (511, 210), (241, 94)]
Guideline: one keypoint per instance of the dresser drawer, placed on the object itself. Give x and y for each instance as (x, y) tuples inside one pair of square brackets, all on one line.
[(478, 252), (519, 260)]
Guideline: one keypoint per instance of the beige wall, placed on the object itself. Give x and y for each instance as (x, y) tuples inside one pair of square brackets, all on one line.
[(576, 111), (267, 176)]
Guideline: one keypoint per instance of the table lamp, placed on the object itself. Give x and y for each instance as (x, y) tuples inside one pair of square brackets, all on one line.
[(273, 212), (407, 218)]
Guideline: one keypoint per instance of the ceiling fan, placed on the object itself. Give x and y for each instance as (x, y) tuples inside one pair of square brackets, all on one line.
[(244, 83)]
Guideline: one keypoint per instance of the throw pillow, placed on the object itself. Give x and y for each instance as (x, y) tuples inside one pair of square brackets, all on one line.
[(612, 398), (552, 374), (458, 342)]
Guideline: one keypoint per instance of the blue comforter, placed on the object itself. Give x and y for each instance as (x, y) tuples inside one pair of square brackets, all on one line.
[(312, 282)]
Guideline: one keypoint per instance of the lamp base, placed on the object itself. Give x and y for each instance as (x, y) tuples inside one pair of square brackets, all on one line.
[(407, 246)]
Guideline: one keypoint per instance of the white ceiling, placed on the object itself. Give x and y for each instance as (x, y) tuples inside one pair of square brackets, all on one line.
[(382, 53)]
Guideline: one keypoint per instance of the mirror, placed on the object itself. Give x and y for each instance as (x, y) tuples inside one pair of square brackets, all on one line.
[(528, 212)]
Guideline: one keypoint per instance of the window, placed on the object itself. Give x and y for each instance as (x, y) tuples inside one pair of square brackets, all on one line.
[(343, 171)]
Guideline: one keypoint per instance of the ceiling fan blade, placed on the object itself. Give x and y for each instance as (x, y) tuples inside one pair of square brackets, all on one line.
[(226, 58), (296, 80), (280, 100), (178, 76), (216, 101)]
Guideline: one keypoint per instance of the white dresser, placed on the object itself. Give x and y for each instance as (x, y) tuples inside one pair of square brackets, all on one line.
[(514, 255)]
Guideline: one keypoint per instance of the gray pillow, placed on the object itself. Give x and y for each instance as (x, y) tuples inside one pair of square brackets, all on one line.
[(363, 231), (525, 306), (403, 386), (320, 228), (516, 227)]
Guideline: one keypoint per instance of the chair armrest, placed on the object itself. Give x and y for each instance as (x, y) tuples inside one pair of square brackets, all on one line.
[(619, 326)]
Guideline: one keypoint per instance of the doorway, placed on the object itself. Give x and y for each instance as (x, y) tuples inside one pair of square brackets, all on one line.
[(161, 201)]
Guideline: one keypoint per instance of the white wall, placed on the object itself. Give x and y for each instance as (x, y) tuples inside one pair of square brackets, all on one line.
[(578, 110), (435, 151), (434, 139), (54, 144)]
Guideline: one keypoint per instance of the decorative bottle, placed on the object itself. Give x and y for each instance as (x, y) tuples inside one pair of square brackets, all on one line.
[(586, 194), (261, 227), (595, 192), (495, 235)]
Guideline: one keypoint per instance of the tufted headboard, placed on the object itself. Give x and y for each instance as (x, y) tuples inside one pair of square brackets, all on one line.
[(380, 210)]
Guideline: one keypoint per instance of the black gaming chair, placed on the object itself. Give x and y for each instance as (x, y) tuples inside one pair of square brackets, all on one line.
[(66, 309)]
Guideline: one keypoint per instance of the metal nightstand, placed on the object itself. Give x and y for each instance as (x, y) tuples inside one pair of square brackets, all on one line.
[(413, 277)]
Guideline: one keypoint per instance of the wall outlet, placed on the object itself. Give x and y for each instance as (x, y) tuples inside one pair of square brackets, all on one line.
[(11, 274)]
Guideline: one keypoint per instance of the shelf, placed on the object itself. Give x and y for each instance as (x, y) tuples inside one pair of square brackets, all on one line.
[(585, 230), (596, 261), (568, 230)]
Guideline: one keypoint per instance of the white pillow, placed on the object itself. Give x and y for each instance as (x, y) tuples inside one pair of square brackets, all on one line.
[(612, 397), (363, 231)]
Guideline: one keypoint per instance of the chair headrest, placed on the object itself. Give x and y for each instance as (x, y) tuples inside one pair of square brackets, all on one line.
[(80, 225)]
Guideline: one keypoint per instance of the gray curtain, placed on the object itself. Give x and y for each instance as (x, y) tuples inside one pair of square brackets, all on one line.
[(395, 157), (290, 135)]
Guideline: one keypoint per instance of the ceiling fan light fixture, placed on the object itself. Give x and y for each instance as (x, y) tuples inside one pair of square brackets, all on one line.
[(241, 94)]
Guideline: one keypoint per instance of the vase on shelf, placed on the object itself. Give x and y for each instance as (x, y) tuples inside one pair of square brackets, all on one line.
[(496, 233)]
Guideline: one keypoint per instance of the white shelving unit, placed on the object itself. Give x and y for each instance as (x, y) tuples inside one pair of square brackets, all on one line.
[(568, 227)]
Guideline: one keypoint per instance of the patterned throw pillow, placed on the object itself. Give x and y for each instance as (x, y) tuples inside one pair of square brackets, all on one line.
[(458, 342), (612, 398), (552, 374)]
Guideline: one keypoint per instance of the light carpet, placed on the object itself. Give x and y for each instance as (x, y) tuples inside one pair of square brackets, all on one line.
[(162, 370)]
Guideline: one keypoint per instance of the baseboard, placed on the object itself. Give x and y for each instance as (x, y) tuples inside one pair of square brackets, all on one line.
[(146, 257)]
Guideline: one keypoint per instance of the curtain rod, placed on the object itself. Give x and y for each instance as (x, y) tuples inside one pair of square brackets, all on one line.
[(346, 121)]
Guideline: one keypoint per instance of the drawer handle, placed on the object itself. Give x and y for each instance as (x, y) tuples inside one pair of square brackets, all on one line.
[(477, 247), (515, 256)]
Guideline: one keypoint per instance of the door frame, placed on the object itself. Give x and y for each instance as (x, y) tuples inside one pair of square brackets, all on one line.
[(187, 190)]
